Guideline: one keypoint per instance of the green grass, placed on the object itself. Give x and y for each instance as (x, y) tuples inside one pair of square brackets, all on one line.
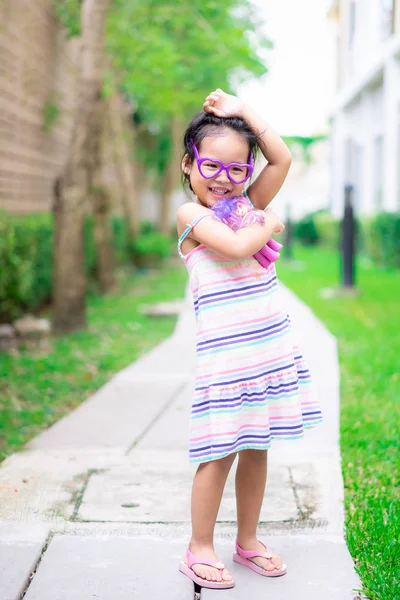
[(37, 389), (368, 332)]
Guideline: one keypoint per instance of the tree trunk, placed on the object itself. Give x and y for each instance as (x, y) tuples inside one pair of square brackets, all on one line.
[(103, 240), (72, 186), (122, 158), (111, 173), (170, 177), (101, 205)]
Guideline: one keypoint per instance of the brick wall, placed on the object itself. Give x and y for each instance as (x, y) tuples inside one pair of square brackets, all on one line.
[(38, 75)]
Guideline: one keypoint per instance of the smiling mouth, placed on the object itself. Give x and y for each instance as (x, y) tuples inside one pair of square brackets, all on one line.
[(219, 191)]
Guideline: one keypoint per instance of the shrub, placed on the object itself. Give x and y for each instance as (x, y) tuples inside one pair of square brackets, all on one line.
[(328, 229), (25, 263), (150, 248), (26, 259), (305, 230), (377, 237), (381, 236), (147, 227)]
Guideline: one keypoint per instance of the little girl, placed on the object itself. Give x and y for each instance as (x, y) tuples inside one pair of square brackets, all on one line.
[(252, 384)]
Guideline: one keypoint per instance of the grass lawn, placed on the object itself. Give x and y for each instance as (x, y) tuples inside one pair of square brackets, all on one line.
[(38, 389), (368, 332)]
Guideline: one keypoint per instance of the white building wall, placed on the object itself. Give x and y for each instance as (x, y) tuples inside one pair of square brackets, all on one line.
[(391, 134), (365, 137), (338, 177), (306, 187)]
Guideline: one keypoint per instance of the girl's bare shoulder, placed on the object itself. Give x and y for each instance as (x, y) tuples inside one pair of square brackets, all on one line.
[(188, 212)]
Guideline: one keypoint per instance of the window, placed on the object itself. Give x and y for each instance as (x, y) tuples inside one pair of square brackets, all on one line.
[(348, 150), (352, 21), (387, 18), (354, 174), (358, 176), (398, 156)]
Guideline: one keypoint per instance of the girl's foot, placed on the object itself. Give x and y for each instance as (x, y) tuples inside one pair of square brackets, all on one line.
[(268, 564), (204, 571)]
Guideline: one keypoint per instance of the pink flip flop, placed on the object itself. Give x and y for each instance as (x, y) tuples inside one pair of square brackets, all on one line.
[(243, 558), (186, 569)]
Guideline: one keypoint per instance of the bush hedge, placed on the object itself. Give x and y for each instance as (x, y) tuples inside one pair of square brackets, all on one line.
[(328, 229), (25, 263), (26, 258), (306, 231), (377, 237), (381, 239)]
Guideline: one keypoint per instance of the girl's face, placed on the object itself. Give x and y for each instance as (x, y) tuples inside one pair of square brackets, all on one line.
[(228, 147)]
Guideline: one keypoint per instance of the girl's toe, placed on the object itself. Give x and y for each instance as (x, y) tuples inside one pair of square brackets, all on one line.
[(201, 572)]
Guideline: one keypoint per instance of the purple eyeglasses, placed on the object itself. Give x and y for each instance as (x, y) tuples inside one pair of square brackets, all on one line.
[(210, 168)]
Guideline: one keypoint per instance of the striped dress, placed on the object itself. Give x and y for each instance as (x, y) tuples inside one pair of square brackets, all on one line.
[(252, 384)]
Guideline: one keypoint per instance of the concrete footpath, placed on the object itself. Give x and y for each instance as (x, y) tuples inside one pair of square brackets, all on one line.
[(98, 506)]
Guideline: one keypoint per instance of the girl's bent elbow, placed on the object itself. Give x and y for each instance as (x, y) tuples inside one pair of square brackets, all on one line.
[(233, 253), (288, 158), (236, 255), (240, 251)]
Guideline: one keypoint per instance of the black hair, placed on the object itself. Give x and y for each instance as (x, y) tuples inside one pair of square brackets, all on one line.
[(205, 124)]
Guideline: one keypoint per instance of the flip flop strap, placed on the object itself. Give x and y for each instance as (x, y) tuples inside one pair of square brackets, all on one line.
[(254, 553), (194, 560)]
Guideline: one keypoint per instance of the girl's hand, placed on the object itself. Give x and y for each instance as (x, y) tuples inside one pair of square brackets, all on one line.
[(223, 105), (272, 219)]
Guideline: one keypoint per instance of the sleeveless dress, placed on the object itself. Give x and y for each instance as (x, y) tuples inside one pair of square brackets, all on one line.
[(252, 384)]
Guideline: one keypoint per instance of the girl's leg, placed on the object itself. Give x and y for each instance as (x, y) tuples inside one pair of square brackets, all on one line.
[(208, 486), (251, 477)]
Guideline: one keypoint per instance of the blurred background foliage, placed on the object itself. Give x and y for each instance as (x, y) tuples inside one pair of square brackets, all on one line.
[(169, 56)]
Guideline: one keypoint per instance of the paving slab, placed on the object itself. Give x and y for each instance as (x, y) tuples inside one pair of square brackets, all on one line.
[(171, 430), (44, 485), (115, 417), (316, 479), (20, 549), (84, 568), (173, 358), (151, 485), (156, 487), (318, 568)]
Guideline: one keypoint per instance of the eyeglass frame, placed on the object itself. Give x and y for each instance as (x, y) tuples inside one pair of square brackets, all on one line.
[(200, 161)]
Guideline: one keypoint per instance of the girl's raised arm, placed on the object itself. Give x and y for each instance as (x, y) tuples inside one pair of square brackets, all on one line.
[(278, 155), (264, 189)]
